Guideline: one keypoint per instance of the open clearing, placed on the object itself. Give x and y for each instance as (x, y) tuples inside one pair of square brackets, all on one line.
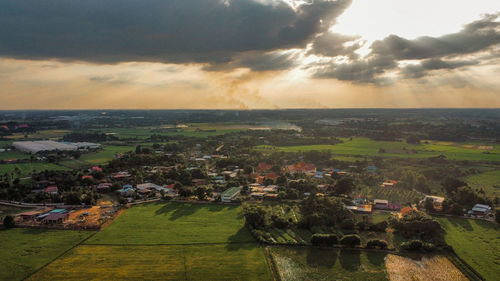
[(365, 146), (25, 250), (475, 241), (175, 223), (174, 262)]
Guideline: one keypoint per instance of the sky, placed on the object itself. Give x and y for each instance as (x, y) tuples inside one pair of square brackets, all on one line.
[(249, 54)]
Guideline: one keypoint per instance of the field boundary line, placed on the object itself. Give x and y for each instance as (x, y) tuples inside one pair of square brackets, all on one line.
[(59, 256), (271, 264), (163, 244)]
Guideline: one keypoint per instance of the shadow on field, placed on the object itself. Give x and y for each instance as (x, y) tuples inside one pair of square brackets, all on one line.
[(321, 257), (241, 246), (350, 260), (464, 223), (377, 259), (242, 236)]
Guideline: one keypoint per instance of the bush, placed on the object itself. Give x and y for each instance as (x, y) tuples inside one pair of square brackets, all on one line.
[(324, 239), (8, 221), (351, 240), (347, 224), (261, 236), (380, 227), (279, 222), (413, 245), (374, 243)]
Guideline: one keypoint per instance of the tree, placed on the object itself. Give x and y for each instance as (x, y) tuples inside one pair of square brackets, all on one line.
[(351, 240), (255, 216), (344, 186), (497, 215), (451, 185), (429, 205), (8, 221)]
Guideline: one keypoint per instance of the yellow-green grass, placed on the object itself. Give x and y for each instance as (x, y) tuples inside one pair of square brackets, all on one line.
[(368, 147), (393, 194), (105, 155), (174, 262), (328, 264), (475, 241), (488, 181), (27, 168), (175, 223), (23, 251)]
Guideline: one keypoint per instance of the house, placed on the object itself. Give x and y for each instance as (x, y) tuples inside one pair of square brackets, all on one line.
[(120, 175), (318, 175), (31, 215), (51, 189), (129, 191), (96, 169), (144, 186), (87, 177), (263, 167), (55, 218), (380, 204), (170, 189), (436, 201), (481, 210), (102, 187), (301, 167), (371, 169), (365, 209), (229, 194), (199, 181), (389, 183)]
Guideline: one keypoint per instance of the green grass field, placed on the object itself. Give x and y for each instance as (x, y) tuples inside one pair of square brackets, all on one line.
[(13, 155), (477, 242), (27, 168), (175, 223), (25, 250), (364, 146), (328, 264), (105, 155), (488, 181), (175, 262)]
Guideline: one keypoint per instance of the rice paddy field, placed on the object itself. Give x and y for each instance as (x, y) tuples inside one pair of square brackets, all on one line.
[(23, 251), (423, 268), (174, 262), (166, 241), (368, 147), (8, 155), (477, 242), (488, 181)]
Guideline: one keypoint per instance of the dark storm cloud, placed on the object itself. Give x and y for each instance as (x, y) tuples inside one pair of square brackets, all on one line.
[(474, 37), (422, 69), (359, 71), (180, 31), (333, 44), (434, 53)]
